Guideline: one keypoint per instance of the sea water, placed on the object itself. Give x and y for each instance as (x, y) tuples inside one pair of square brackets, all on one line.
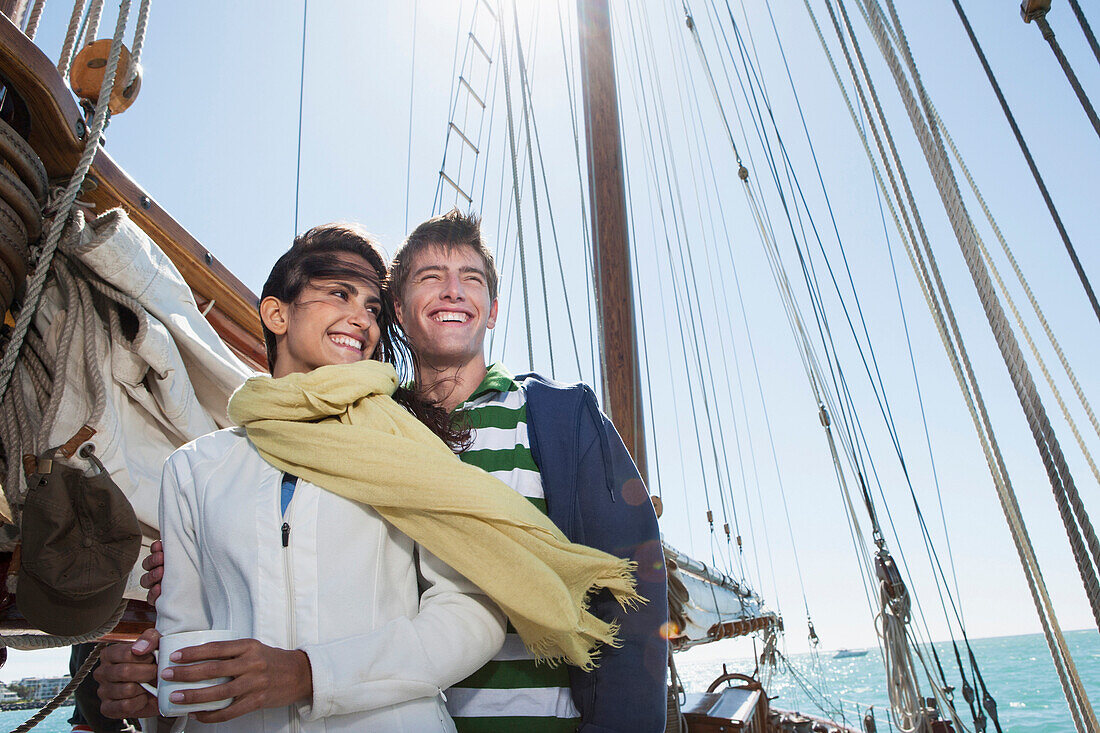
[(1017, 670)]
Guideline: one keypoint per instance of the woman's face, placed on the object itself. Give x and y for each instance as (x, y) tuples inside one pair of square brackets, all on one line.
[(331, 322)]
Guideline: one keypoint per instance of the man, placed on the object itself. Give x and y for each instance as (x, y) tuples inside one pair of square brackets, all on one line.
[(551, 443)]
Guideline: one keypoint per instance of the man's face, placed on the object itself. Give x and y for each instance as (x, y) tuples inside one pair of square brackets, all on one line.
[(445, 307)]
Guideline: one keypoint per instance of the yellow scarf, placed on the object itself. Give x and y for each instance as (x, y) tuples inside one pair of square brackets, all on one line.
[(338, 428)]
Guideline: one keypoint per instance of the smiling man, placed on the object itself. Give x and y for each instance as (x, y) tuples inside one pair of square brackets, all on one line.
[(551, 443)]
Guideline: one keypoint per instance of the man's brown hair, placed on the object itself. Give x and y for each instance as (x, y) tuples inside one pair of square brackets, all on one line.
[(449, 231)]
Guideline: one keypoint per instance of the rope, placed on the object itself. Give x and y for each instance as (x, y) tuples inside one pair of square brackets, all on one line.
[(1031, 342), (987, 257), (91, 25), (139, 42), (557, 247), (18, 12), (65, 60), (1048, 36), (515, 187), (642, 109), (708, 383), (688, 311), (1030, 161), (1086, 28), (412, 87), (1021, 378), (527, 113), (30, 642), (701, 161), (585, 233), (35, 16), (972, 395), (1062, 482), (45, 258), (301, 97), (65, 692), (906, 701)]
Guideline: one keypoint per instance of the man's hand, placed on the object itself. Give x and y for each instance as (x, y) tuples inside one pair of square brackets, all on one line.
[(261, 677), (121, 668), (155, 565)]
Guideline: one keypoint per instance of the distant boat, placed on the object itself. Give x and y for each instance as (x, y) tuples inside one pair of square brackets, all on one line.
[(849, 653)]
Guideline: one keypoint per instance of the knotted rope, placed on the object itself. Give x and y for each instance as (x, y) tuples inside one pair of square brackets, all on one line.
[(65, 206)]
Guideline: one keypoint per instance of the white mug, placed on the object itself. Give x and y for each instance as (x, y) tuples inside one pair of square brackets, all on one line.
[(169, 645)]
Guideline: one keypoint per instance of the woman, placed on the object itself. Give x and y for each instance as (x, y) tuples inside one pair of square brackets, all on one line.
[(335, 632)]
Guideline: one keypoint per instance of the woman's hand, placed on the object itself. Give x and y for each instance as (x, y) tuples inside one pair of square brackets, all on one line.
[(261, 677)]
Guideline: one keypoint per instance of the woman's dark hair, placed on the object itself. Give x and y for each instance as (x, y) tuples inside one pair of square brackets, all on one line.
[(315, 256)]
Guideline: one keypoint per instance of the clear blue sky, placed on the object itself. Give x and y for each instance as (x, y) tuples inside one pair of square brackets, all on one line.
[(212, 138)]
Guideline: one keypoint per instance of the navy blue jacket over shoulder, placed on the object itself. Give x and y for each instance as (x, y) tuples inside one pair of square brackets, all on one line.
[(596, 497)]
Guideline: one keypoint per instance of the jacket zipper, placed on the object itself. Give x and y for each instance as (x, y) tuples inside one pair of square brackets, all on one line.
[(290, 635)]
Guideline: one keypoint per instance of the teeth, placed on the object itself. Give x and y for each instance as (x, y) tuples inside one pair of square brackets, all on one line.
[(348, 341), (450, 316)]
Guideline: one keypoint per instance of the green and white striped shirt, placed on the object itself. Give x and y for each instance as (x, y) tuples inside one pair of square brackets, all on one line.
[(510, 693)]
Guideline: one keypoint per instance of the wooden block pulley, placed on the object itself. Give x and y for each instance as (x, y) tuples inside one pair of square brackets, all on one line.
[(90, 66)]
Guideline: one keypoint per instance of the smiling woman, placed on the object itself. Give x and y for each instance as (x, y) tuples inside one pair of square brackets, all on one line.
[(333, 320), (333, 273)]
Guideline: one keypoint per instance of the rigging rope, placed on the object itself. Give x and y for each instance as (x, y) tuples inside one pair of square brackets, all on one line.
[(1030, 161), (997, 469), (1048, 36), (1086, 28), (687, 265), (703, 154), (516, 187), (906, 702), (65, 60), (1076, 521), (649, 145), (37, 281), (527, 113), (557, 250), (1033, 302), (91, 23), (35, 16), (581, 198), (301, 98), (823, 322), (1059, 652), (139, 42), (412, 82), (65, 692)]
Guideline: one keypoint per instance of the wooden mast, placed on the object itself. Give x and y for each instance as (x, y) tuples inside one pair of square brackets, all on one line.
[(611, 256)]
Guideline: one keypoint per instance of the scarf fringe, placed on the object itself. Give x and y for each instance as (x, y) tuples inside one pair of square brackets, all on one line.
[(553, 649)]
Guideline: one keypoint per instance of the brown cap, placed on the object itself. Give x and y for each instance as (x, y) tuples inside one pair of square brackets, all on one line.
[(80, 542)]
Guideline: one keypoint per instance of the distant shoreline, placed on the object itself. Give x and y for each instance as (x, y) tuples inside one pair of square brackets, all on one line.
[(29, 705)]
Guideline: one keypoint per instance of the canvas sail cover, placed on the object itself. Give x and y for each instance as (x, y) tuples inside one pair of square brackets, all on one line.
[(140, 366), (706, 605)]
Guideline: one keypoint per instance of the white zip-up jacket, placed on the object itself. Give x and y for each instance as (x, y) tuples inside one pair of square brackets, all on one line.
[(330, 578)]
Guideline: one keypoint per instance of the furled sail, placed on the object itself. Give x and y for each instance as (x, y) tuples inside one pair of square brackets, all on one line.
[(707, 605)]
